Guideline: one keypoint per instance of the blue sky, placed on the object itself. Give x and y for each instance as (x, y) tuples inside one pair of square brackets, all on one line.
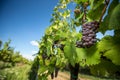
[(24, 21)]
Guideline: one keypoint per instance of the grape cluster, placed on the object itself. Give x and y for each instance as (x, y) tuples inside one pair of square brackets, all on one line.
[(89, 31)]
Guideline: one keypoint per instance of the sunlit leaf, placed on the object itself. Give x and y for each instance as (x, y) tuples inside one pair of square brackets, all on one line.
[(110, 47), (69, 52)]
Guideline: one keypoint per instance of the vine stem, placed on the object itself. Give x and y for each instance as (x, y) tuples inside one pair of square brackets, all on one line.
[(84, 17), (104, 10)]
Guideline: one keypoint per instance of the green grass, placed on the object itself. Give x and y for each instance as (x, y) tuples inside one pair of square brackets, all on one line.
[(21, 73), (15, 73)]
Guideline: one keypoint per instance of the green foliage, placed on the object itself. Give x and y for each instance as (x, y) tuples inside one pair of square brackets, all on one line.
[(96, 10), (34, 69), (113, 4), (5, 65), (109, 46), (105, 68), (115, 18), (58, 45), (95, 4), (85, 56), (112, 18), (15, 73), (70, 53), (80, 1), (8, 55), (89, 56)]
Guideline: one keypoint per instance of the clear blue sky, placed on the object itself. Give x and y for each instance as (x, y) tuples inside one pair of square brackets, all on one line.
[(24, 21)]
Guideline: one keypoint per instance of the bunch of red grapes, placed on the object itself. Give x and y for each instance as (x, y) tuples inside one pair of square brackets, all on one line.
[(89, 31)]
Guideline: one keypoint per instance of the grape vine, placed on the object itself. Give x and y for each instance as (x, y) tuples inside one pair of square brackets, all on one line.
[(62, 44)]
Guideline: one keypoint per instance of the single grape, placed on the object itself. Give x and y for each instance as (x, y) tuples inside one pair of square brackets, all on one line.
[(94, 40), (91, 35), (90, 42)]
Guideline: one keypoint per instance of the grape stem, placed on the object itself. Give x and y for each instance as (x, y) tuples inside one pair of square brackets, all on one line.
[(84, 17), (104, 10)]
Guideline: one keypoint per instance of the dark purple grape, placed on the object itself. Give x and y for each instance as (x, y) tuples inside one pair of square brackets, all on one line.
[(84, 32), (91, 35), (84, 38), (84, 25), (90, 42), (90, 38), (91, 31), (87, 40), (94, 40), (84, 44)]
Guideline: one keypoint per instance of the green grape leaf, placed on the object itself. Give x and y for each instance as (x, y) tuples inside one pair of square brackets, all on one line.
[(110, 47), (42, 69), (117, 33), (66, 14), (93, 55), (94, 14), (78, 19), (94, 4), (111, 20), (114, 22), (91, 3), (112, 6), (48, 31), (69, 52), (104, 25), (88, 56), (114, 54), (96, 7), (79, 1), (80, 55), (105, 44), (104, 68)]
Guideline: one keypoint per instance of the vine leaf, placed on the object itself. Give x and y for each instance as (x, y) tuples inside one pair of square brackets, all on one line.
[(80, 55), (96, 7), (69, 52), (110, 47), (114, 54), (79, 1), (88, 56), (42, 69), (113, 5), (112, 19), (94, 14), (105, 68), (66, 14), (105, 44), (115, 18), (93, 55), (94, 4), (104, 25)]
